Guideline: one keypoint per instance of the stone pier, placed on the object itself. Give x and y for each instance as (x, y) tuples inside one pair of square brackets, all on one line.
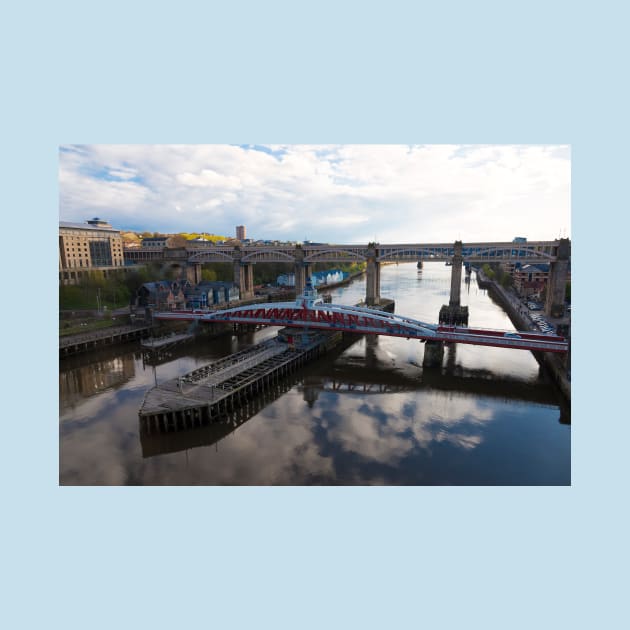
[(302, 271), (193, 273), (373, 277), (433, 354), (454, 313), (244, 278), (558, 276)]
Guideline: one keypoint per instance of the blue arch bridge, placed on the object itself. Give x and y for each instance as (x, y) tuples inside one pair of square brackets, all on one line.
[(309, 312)]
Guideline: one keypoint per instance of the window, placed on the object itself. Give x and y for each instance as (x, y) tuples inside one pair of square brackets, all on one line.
[(101, 253)]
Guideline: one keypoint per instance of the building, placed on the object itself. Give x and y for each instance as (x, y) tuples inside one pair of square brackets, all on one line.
[(162, 295), (155, 242), (94, 246), (240, 232), (208, 293), (531, 280)]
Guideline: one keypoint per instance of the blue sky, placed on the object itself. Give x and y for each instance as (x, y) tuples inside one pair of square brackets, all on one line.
[(328, 193)]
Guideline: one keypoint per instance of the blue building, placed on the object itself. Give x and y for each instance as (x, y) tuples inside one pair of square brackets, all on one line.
[(206, 294)]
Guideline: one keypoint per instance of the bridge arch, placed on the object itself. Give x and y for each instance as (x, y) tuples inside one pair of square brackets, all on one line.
[(334, 255), (268, 256), (505, 253), (204, 257), (414, 254)]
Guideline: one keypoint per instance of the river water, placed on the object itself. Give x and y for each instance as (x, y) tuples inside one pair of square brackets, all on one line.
[(366, 415)]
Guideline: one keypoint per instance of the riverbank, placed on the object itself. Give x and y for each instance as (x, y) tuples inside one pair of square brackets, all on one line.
[(557, 365)]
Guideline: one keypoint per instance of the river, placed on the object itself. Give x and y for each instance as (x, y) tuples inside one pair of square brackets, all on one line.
[(367, 415)]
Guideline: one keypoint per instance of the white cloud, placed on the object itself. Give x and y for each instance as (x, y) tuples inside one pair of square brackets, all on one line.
[(324, 192)]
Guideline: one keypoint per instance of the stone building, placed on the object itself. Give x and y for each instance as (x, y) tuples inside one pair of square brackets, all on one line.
[(163, 295)]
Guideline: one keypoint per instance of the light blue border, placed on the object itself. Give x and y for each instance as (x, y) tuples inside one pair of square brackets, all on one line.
[(393, 72)]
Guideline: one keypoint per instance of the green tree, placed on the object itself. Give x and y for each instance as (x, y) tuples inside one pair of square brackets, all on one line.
[(208, 275)]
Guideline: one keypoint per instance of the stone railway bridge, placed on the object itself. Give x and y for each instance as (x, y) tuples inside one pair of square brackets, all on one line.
[(302, 256)]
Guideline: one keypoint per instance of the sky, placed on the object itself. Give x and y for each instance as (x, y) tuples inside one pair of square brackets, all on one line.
[(323, 193)]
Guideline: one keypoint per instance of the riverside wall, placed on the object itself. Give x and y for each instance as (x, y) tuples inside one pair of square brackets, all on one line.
[(556, 364)]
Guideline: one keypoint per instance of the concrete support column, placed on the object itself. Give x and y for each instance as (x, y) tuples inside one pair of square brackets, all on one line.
[(300, 271), (308, 271), (456, 275), (558, 276), (193, 273), (239, 277), (433, 354), (300, 279), (372, 277), (249, 279)]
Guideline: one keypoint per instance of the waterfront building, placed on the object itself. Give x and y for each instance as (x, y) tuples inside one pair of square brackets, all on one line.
[(240, 232), (94, 246), (208, 293), (161, 295), (531, 280)]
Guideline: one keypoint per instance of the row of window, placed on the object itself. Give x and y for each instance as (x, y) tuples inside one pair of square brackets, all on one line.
[(74, 264)]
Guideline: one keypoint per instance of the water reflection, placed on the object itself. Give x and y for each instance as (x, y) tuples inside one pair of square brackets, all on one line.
[(90, 378), (367, 418), (156, 440), (368, 415)]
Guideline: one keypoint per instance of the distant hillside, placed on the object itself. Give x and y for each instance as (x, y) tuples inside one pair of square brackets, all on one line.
[(206, 237), (131, 238), (135, 238)]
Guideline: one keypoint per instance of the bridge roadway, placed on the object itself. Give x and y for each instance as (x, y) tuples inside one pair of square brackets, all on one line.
[(526, 252), (303, 256), (307, 312)]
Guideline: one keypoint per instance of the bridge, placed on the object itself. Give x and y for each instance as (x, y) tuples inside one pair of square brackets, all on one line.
[(309, 312), (303, 256)]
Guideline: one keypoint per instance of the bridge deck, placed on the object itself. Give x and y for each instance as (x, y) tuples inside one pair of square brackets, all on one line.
[(335, 317)]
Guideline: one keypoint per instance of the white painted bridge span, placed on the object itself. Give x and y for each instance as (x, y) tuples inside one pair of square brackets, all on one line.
[(309, 312)]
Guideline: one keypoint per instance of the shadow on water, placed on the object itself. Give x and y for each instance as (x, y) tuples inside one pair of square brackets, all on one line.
[(343, 380), (157, 441)]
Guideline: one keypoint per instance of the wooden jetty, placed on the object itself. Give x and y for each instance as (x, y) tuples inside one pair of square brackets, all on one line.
[(74, 344), (215, 390), (160, 343)]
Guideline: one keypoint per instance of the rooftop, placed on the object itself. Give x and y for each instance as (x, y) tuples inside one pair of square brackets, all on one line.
[(87, 226)]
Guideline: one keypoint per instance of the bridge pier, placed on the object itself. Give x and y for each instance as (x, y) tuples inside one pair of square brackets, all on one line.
[(433, 353), (373, 277), (244, 278), (302, 272), (454, 313), (456, 275), (559, 273), (193, 272)]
